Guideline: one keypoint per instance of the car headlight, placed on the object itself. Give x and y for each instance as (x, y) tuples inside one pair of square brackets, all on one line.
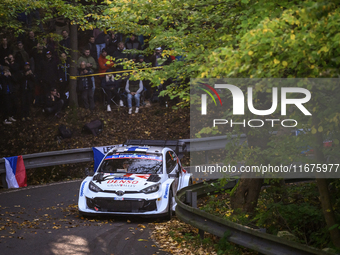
[(150, 189), (94, 187)]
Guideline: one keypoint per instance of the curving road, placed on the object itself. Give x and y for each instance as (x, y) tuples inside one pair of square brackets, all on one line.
[(44, 220)]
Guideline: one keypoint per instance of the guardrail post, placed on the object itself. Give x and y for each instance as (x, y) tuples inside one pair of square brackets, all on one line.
[(194, 205), (3, 180), (194, 199), (188, 196)]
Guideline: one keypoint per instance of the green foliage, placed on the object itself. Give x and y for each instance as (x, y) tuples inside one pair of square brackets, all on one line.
[(294, 208), (224, 247), (297, 211)]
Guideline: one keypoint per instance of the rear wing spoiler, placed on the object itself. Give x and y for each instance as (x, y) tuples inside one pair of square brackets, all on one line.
[(177, 146)]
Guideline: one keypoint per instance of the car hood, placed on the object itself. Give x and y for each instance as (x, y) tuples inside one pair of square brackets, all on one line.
[(124, 182)]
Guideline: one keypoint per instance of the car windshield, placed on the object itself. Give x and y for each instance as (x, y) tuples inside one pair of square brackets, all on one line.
[(140, 163)]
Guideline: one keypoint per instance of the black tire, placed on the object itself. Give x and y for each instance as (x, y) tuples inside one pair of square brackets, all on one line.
[(170, 204)]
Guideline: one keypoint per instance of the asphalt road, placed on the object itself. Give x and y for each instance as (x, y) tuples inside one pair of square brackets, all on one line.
[(44, 220)]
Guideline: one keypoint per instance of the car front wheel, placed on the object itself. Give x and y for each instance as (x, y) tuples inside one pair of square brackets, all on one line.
[(170, 205)]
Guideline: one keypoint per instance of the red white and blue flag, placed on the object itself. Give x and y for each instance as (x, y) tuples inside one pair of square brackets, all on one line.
[(15, 172)]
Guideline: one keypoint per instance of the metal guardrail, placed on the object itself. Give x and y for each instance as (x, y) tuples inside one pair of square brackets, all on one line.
[(241, 235), (72, 156), (51, 158)]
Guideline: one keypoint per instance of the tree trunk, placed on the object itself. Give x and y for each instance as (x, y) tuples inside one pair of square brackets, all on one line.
[(246, 195), (248, 190), (327, 208), (73, 68)]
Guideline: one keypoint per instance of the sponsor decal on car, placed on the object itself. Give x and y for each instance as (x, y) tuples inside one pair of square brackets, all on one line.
[(120, 181), (126, 185), (124, 178), (82, 188), (166, 191), (134, 156)]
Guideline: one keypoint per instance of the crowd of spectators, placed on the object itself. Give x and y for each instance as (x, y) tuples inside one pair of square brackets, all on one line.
[(35, 71)]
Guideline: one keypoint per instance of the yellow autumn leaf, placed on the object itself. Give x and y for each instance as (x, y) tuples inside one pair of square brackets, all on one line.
[(312, 67), (313, 130), (250, 53), (276, 61), (320, 129), (292, 37), (284, 63)]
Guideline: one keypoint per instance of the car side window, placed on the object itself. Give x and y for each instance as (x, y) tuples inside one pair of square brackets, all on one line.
[(171, 161)]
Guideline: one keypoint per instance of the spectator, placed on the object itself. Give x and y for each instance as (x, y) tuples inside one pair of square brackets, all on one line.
[(30, 43), (100, 39), (112, 43), (65, 43), (39, 54), (5, 50), (27, 85), (13, 65), (9, 95), (14, 69), (134, 89), (146, 83), (158, 60), (85, 86), (108, 84), (90, 64), (119, 57), (54, 103), (93, 48), (63, 72), (21, 55), (51, 46), (133, 44), (103, 62), (49, 72)]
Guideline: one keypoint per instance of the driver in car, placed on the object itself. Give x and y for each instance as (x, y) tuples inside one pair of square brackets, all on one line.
[(126, 165)]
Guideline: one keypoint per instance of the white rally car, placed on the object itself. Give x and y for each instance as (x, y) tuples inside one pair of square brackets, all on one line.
[(135, 179)]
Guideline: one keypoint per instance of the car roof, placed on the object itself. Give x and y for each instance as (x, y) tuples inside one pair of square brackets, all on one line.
[(139, 148)]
